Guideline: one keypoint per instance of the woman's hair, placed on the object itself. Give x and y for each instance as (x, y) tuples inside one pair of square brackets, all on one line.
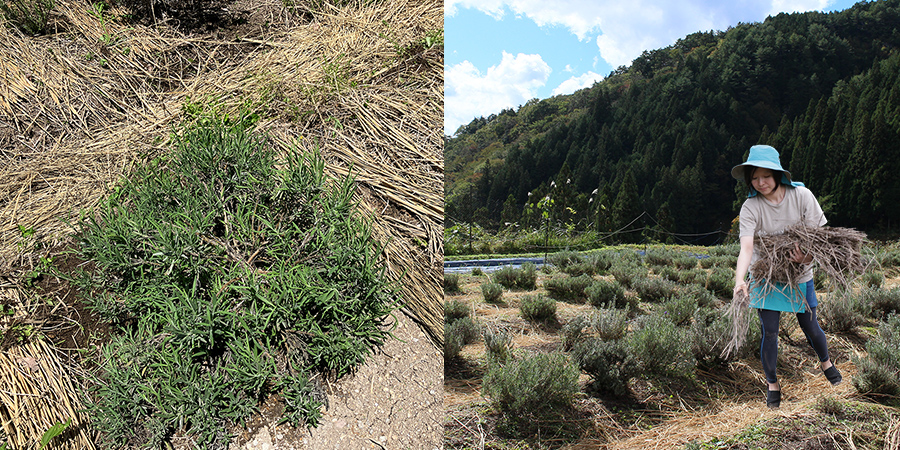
[(748, 175)]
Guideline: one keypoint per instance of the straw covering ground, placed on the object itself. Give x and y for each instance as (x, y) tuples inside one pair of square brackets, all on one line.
[(82, 104), (647, 333)]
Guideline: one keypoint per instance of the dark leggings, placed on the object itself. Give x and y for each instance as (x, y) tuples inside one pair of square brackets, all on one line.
[(808, 323)]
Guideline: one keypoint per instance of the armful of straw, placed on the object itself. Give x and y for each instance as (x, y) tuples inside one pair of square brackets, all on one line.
[(835, 250)]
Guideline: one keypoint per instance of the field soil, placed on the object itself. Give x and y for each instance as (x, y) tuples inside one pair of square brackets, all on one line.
[(723, 409)]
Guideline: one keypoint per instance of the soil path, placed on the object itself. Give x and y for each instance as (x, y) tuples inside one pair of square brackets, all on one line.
[(394, 401)]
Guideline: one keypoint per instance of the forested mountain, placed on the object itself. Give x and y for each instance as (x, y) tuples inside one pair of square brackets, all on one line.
[(661, 135)]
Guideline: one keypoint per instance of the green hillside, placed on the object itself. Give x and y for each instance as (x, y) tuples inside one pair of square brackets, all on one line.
[(661, 135)]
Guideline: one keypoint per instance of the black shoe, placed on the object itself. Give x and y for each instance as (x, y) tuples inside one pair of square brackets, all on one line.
[(834, 377), (773, 399)]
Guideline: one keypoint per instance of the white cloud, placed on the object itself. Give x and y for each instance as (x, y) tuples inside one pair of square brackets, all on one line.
[(575, 83), (622, 30), (791, 6), (468, 93)]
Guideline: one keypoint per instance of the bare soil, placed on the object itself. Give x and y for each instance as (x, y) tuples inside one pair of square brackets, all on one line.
[(392, 402), (722, 403)]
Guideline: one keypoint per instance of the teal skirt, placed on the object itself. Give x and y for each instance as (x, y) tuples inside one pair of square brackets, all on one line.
[(780, 297)]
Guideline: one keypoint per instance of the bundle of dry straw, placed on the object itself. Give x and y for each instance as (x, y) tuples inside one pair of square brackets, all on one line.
[(834, 250)]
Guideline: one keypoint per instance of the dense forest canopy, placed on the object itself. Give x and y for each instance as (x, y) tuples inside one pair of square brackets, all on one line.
[(656, 140)]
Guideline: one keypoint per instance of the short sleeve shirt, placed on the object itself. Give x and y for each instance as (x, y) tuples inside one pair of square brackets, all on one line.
[(760, 217)]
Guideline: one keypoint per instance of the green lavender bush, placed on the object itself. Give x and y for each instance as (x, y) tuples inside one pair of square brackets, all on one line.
[(228, 272)]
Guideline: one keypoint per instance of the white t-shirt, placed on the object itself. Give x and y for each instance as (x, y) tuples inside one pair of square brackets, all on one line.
[(762, 217)]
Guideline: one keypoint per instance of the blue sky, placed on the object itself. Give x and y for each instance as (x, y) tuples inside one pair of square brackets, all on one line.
[(501, 53)]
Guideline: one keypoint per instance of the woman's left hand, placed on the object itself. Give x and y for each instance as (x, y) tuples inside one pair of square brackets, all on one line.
[(798, 257)]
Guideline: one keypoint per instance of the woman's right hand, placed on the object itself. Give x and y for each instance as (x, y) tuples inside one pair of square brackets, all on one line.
[(742, 286)]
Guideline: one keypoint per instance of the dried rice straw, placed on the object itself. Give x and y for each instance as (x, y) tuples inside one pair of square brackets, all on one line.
[(36, 392), (835, 250)]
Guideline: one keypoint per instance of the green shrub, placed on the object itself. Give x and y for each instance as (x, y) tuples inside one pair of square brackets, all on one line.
[(701, 295), (626, 272), (505, 276), (603, 292), (711, 332), (498, 344), (884, 301), (533, 387), (465, 329), (841, 311), (680, 308), (30, 16), (661, 348), (453, 343), (601, 261), (668, 272), (454, 310), (660, 256), (694, 276), (719, 261), (725, 250), (564, 259), (538, 308), (607, 362), (819, 277), (451, 283), (492, 292), (879, 372), (512, 278), (583, 268), (653, 289), (477, 272), (568, 288), (721, 282), (873, 279), (526, 278), (573, 331), (610, 323), (686, 262), (218, 261), (888, 258)]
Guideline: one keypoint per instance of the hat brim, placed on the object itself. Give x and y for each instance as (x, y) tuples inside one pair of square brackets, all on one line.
[(738, 171)]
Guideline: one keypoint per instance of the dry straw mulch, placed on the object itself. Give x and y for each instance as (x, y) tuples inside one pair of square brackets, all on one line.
[(36, 392), (76, 113)]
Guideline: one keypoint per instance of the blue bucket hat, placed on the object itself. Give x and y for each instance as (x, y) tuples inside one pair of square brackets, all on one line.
[(766, 157)]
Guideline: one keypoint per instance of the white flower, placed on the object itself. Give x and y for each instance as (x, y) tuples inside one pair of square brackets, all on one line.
[(595, 191)]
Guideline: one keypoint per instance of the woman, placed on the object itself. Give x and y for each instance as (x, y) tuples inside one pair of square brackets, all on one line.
[(774, 204)]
